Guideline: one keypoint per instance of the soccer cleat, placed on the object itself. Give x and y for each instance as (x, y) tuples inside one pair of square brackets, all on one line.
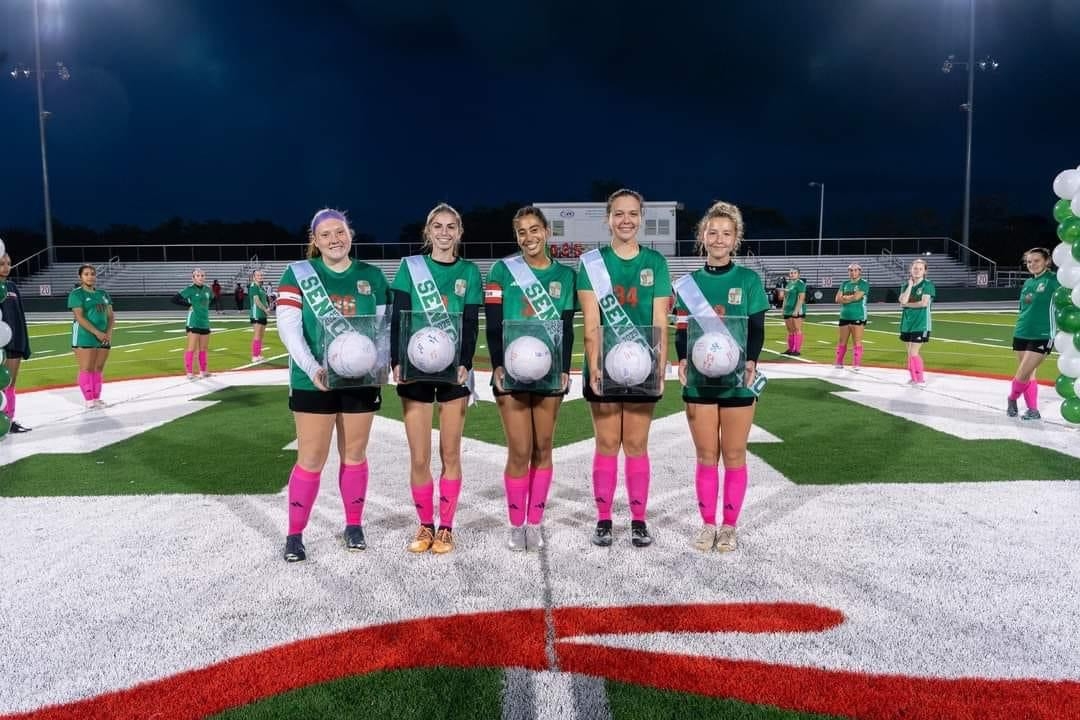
[(294, 548), (1031, 414), (534, 538), (795, 353), (16, 428), (856, 368), (203, 375), (1011, 410), (91, 405), (444, 541), (602, 534), (789, 351), (921, 383), (259, 358), (99, 403), (191, 376), (639, 534), (705, 539), (725, 539), (517, 541), (255, 361), (354, 538), (839, 366), (425, 536)]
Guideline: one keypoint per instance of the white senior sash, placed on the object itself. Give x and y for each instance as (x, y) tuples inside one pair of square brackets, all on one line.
[(430, 297), (538, 297), (702, 310), (331, 319), (613, 312)]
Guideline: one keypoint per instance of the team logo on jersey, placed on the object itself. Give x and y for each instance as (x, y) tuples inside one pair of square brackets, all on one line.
[(459, 287), (1041, 286), (363, 287), (555, 290), (646, 278), (734, 296)]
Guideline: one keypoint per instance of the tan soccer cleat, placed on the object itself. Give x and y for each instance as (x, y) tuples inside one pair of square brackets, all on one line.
[(705, 539), (423, 540), (725, 539), (444, 542)]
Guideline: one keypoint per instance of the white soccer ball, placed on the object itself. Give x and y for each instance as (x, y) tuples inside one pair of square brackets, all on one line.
[(351, 355), (5, 333), (527, 359), (431, 350), (715, 354), (628, 363)]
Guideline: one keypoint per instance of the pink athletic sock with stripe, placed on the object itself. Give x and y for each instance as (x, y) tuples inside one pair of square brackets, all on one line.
[(911, 367), (856, 355), (1017, 389), (707, 482), (918, 364), (422, 496), (605, 470), (256, 348), (96, 381), (791, 342), (9, 401), (799, 341), (1031, 395), (189, 358), (517, 493), (85, 385), (841, 352), (734, 492), (539, 486), (202, 361), (353, 481), (448, 497), (303, 489), (637, 485)]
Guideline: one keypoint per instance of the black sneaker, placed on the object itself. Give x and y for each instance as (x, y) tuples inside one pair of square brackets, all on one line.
[(294, 548), (602, 535), (1011, 410), (795, 353), (354, 538), (17, 428), (639, 534)]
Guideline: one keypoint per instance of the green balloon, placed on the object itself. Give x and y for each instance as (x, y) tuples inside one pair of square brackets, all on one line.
[(1070, 410), (1063, 210), (3, 291), (5, 376), (1068, 318), (1069, 230), (5, 424), (1064, 385), (1062, 297), (1076, 341), (1076, 250)]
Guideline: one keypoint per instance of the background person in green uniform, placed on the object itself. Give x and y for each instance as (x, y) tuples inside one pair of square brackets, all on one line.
[(459, 284), (641, 283), (916, 297), (528, 418), (17, 348), (720, 417), (258, 309), (794, 311), (353, 288), (852, 295), (197, 298), (1033, 337), (91, 333)]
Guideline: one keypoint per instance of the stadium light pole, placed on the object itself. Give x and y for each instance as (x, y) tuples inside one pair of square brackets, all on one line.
[(821, 212)]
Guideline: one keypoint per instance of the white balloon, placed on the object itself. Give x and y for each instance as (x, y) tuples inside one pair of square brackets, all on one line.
[(1076, 387), (1069, 350), (1067, 183), (1, 314), (1061, 254), (1069, 275), (1062, 340), (1076, 296), (1069, 365), (5, 333), (2, 250), (1075, 204)]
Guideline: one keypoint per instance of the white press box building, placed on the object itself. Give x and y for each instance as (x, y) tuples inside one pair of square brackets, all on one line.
[(583, 226)]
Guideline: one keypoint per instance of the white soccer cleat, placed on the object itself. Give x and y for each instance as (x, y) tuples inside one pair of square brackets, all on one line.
[(725, 539), (516, 541), (534, 538), (705, 538)]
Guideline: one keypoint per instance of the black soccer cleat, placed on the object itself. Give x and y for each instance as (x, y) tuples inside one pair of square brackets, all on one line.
[(639, 534), (602, 534), (17, 428), (354, 538), (294, 548)]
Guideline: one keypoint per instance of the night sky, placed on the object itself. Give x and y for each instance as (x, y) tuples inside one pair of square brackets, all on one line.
[(234, 110)]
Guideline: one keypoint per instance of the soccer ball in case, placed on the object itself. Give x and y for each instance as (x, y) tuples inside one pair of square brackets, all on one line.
[(431, 350), (629, 363), (351, 355), (527, 359), (716, 354)]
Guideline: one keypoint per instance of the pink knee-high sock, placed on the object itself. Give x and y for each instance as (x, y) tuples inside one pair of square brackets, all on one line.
[(798, 342), (539, 486), (605, 470), (918, 365), (256, 348), (911, 368), (841, 351), (202, 361), (448, 496), (85, 385), (1017, 389), (422, 496), (707, 482), (517, 494), (96, 380), (791, 342), (637, 485), (856, 355), (1031, 395), (9, 401), (303, 488), (352, 481), (734, 492), (189, 358)]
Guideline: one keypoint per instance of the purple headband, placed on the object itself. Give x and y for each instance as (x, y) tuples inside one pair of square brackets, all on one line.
[(327, 214)]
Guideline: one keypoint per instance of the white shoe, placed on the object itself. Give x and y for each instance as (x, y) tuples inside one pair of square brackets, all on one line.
[(705, 539), (516, 542), (191, 376), (255, 361), (99, 403), (260, 358), (856, 368), (725, 539), (921, 383), (203, 375), (91, 405), (839, 366), (534, 538)]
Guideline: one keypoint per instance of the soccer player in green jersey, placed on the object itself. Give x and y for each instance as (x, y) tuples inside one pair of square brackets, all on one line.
[(459, 289), (794, 311), (329, 285), (720, 417), (91, 333), (18, 346), (258, 311), (641, 285), (1033, 338), (915, 323), (852, 296), (528, 418), (197, 298)]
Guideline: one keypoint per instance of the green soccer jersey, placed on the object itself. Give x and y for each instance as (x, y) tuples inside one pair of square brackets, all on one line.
[(95, 307), (791, 297), (457, 284), (635, 283), (254, 311), (358, 290), (854, 310), (199, 297), (502, 288), (737, 293), (1036, 318), (918, 320)]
